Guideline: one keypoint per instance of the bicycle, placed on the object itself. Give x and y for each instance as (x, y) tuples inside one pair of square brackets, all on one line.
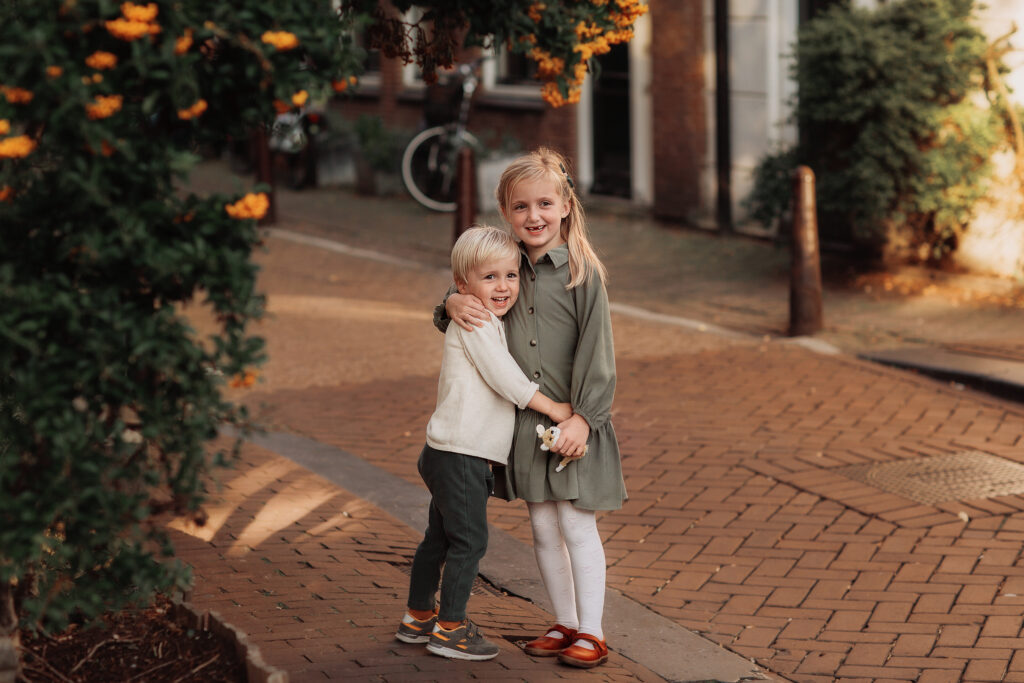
[(429, 162)]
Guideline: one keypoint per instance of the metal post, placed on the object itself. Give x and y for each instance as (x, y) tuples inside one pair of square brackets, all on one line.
[(465, 191), (723, 118), (805, 308), (264, 173)]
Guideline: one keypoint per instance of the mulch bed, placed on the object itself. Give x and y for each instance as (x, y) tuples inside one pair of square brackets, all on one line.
[(143, 646)]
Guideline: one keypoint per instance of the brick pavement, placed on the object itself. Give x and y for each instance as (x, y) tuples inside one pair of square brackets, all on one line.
[(738, 525), (317, 578)]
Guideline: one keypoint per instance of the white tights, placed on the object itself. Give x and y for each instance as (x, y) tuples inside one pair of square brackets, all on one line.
[(572, 565)]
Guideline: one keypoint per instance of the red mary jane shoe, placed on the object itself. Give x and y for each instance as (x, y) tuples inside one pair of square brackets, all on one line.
[(546, 646), (583, 657)]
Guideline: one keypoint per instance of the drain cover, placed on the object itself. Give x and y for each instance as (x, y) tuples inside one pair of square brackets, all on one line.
[(943, 478)]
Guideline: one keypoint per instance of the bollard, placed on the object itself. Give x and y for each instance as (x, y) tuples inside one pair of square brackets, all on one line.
[(805, 309), (465, 191), (264, 173)]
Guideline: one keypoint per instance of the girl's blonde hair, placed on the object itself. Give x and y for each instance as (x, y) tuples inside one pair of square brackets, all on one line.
[(547, 164), (480, 244)]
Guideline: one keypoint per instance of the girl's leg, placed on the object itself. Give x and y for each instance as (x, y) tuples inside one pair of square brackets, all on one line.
[(579, 528), (553, 562)]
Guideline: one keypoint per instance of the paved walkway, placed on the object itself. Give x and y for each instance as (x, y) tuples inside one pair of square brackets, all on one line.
[(766, 512)]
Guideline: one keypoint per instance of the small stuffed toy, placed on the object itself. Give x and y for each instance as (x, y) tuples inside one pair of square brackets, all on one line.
[(549, 437)]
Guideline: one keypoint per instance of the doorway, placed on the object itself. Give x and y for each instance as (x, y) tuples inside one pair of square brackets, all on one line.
[(611, 128)]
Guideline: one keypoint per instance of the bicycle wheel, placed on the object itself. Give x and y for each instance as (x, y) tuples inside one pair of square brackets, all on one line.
[(429, 166)]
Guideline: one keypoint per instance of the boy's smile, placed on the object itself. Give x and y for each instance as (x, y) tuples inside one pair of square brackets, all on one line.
[(495, 283)]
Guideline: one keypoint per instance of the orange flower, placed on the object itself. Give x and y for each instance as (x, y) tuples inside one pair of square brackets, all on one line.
[(194, 111), (5, 126), (131, 30), (249, 206), (342, 84), (182, 44), (244, 380), (299, 98), (101, 60), (16, 95), (95, 78), (534, 11), (54, 71), (553, 96), (16, 147), (6, 193), (282, 40), (281, 107), (104, 106), (143, 13)]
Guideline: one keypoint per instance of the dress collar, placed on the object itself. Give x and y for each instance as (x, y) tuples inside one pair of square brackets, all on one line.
[(558, 257)]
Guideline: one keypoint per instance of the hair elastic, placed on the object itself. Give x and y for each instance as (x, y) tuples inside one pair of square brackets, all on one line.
[(568, 178)]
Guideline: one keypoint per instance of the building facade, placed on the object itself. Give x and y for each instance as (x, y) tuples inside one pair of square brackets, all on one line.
[(677, 119)]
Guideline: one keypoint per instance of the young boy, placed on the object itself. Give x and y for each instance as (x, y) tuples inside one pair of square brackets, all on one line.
[(477, 394)]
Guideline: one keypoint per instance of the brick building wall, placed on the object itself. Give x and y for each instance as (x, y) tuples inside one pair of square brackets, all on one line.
[(680, 128)]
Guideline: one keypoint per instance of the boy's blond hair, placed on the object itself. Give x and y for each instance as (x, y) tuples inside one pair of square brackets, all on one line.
[(480, 244), (547, 164)]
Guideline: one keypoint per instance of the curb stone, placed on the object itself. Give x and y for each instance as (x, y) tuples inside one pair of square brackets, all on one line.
[(256, 669)]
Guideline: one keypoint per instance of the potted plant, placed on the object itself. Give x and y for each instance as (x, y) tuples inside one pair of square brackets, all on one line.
[(378, 156)]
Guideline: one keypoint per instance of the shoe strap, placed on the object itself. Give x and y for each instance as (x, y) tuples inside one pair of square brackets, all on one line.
[(599, 645), (565, 631)]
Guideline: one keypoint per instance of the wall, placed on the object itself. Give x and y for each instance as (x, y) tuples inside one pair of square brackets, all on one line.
[(761, 38), (678, 108)]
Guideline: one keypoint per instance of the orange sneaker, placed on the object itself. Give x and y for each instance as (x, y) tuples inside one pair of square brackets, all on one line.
[(577, 655), (547, 646)]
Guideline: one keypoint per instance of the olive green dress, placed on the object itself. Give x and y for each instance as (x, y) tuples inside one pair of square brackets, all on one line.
[(562, 339)]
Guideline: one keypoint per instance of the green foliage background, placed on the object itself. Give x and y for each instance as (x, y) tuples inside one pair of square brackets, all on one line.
[(109, 396), (894, 124)]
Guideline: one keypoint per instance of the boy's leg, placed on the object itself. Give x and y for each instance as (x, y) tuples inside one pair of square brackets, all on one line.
[(431, 552), (460, 485), (427, 563)]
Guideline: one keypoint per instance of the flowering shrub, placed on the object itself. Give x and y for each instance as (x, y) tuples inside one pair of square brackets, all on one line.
[(561, 37), (108, 399)]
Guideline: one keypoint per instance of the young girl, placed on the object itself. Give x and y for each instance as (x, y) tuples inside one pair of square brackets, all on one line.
[(560, 334)]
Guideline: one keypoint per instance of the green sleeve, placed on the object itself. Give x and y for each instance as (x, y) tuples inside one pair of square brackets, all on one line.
[(441, 319), (593, 366)]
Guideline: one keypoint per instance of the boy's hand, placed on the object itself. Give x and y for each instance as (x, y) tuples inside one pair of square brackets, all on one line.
[(573, 440), (466, 311), (560, 412)]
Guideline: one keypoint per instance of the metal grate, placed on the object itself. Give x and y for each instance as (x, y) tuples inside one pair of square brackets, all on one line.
[(943, 478)]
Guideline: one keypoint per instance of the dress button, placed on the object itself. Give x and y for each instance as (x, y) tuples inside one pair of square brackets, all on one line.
[(533, 277), (533, 342), (530, 310), (536, 375)]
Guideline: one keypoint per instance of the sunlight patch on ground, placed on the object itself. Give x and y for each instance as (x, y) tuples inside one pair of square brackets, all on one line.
[(236, 490), (334, 308), (291, 504)]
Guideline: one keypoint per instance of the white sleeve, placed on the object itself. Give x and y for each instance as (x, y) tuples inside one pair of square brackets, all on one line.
[(495, 364)]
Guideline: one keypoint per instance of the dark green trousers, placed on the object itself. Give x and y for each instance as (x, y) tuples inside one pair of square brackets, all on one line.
[(456, 535)]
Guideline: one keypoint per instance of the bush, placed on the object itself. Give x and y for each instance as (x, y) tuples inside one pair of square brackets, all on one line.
[(894, 123)]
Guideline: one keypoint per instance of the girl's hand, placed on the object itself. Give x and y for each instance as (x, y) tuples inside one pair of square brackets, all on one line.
[(573, 440), (560, 412), (466, 310)]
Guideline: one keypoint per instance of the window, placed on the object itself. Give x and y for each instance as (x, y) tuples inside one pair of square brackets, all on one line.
[(508, 73)]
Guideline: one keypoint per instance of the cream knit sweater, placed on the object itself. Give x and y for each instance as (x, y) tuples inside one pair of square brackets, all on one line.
[(479, 387)]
